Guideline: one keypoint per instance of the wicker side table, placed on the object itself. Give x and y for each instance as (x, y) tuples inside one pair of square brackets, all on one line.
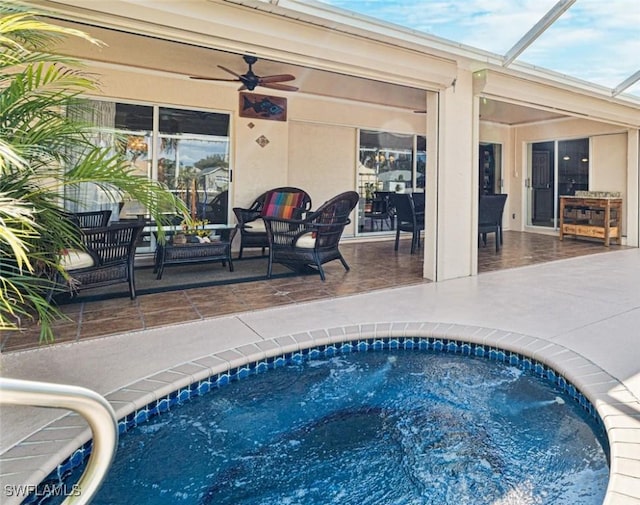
[(218, 250)]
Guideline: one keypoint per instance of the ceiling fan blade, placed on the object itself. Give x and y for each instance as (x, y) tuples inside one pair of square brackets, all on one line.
[(202, 78), (230, 71), (277, 78), (275, 85), (250, 80)]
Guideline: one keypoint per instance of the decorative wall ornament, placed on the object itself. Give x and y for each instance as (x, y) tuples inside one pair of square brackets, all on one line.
[(257, 106), (251, 126), (262, 141)]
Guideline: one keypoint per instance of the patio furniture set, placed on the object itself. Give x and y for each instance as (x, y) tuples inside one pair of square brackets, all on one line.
[(280, 220)]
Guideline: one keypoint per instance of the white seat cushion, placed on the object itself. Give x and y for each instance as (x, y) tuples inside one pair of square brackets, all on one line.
[(306, 241), (256, 226), (73, 259)]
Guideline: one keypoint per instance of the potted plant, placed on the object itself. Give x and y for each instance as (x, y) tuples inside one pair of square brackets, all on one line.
[(193, 232)]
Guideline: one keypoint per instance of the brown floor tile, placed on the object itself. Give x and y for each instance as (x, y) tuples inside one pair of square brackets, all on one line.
[(170, 316), (254, 288), (162, 301), (374, 265), (28, 339), (99, 327), (264, 301), (110, 313), (214, 308), (308, 294)]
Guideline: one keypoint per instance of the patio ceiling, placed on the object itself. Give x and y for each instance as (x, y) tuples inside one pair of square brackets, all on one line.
[(158, 53), (183, 60)]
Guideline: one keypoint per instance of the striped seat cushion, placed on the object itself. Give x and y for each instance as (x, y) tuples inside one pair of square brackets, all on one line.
[(283, 205)]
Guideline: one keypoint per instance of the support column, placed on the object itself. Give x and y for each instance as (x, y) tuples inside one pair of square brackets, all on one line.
[(452, 181), (633, 188)]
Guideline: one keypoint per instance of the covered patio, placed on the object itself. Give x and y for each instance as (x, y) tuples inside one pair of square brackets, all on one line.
[(352, 116)]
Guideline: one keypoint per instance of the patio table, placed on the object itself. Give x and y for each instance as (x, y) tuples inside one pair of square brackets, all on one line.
[(218, 250)]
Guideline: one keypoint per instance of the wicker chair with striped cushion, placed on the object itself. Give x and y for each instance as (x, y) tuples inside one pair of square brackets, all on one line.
[(312, 241), (278, 202)]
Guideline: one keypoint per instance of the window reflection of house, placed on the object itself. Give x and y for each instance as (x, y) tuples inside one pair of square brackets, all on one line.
[(388, 162), (192, 157)]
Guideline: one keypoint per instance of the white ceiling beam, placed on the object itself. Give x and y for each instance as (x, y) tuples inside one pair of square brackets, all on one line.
[(545, 22), (629, 81)]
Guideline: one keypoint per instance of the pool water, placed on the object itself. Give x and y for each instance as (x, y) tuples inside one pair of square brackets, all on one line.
[(401, 427)]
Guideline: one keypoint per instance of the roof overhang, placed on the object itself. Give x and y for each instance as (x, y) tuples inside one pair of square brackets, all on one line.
[(317, 36)]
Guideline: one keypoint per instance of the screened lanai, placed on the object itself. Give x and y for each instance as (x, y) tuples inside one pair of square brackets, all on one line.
[(591, 41)]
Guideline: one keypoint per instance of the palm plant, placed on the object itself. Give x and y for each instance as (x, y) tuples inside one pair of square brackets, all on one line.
[(43, 152)]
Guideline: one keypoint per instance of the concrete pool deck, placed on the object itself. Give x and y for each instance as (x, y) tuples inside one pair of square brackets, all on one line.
[(580, 316)]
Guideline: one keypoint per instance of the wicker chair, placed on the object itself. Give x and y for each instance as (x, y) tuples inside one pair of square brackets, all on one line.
[(91, 219), (313, 241), (216, 211), (108, 258), (253, 232)]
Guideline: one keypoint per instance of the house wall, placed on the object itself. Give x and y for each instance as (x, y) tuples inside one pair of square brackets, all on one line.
[(609, 169), (455, 206), (322, 159), (315, 149)]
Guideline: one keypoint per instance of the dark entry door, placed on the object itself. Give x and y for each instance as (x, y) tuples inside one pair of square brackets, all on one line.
[(542, 186)]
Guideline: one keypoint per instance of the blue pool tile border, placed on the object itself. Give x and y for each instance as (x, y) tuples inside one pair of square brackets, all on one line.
[(437, 344)]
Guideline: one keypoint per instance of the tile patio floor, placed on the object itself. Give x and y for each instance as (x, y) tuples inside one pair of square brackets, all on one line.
[(374, 266)]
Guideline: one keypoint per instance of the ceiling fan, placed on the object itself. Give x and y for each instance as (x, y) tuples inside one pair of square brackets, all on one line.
[(250, 80)]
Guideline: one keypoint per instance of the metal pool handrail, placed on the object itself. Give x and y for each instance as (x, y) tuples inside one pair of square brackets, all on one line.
[(90, 405)]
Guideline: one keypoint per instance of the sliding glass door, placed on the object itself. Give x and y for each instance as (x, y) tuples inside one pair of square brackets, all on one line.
[(388, 163), (186, 150), (555, 168)]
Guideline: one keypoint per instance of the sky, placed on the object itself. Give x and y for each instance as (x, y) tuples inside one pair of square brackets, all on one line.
[(595, 40)]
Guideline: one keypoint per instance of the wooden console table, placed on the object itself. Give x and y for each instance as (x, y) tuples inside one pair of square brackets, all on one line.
[(590, 216), (219, 249)]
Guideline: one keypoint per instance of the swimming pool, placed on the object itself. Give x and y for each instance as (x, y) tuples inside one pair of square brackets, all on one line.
[(370, 427)]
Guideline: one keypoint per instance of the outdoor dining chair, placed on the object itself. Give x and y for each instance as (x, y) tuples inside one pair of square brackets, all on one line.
[(408, 218), (490, 210), (90, 219)]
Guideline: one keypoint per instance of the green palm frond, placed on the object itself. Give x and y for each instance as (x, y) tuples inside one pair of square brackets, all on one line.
[(44, 150), (17, 226)]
